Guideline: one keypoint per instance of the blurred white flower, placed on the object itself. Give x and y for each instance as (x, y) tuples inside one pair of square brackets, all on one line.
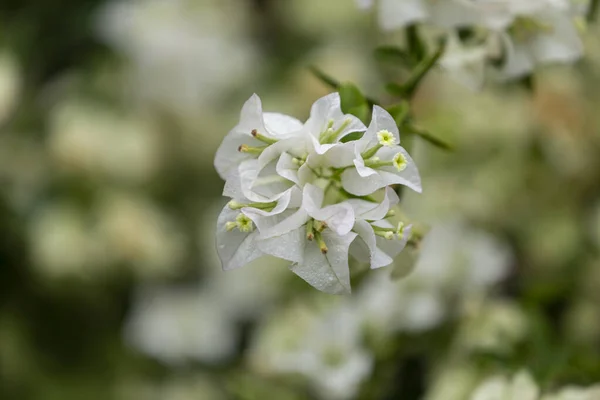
[(465, 63), (452, 382), (395, 14), (455, 263), (86, 138), (10, 84), (184, 54), (519, 387), (132, 230), (575, 393), (322, 345), (540, 35), (23, 169), (63, 243), (175, 324), (494, 326), (200, 321)]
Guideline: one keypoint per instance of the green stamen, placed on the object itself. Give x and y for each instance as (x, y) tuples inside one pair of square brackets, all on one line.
[(371, 152), (321, 242), (234, 205), (251, 150), (310, 233), (263, 138)]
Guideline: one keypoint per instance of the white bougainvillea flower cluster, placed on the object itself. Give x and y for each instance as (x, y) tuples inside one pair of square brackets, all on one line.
[(306, 194), (522, 33)]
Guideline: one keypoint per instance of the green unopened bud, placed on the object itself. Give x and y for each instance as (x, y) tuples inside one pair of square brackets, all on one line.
[(263, 138), (298, 161), (390, 214), (389, 235), (400, 230), (229, 226)]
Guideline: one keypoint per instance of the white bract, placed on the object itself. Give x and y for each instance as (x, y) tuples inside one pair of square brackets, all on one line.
[(512, 36), (302, 193), (520, 387)]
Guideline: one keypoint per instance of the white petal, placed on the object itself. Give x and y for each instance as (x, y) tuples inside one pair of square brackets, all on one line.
[(357, 185), (339, 156), (339, 217), (324, 109), (394, 14), (328, 109), (251, 116), (278, 125), (409, 176), (494, 388), (380, 120), (365, 4), (524, 387), (519, 61), (289, 246), (394, 247), (287, 168), (227, 157), (294, 145), (379, 212), (264, 219), (377, 257), (562, 44), (235, 248), (454, 13), (291, 223), (327, 272)]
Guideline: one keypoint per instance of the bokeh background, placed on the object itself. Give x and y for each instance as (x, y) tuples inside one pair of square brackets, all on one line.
[(110, 287)]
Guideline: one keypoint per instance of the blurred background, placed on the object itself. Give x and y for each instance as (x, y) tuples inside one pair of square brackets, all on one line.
[(110, 287)]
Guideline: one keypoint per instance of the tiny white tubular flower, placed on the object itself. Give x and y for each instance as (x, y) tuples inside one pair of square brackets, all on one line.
[(544, 34), (252, 135), (520, 387), (237, 237), (377, 163), (396, 14), (378, 242)]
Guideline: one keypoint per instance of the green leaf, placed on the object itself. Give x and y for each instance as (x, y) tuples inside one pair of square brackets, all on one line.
[(399, 112), (352, 136), (416, 46), (421, 71), (592, 14), (394, 89), (353, 101), (394, 55), (423, 134)]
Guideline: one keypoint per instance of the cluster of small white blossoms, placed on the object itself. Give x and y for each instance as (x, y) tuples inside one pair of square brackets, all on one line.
[(521, 33), (302, 193)]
